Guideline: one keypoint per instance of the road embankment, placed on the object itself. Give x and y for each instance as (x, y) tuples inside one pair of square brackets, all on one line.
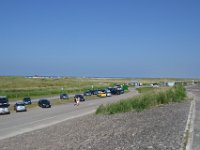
[(160, 128)]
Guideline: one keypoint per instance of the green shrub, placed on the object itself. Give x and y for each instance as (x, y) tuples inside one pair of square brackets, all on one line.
[(180, 93), (162, 98), (170, 95), (145, 101)]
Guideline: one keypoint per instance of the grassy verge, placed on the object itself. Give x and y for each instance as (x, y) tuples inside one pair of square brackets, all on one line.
[(19, 87), (145, 89), (176, 94)]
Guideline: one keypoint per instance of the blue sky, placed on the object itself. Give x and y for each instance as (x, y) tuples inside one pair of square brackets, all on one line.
[(103, 38)]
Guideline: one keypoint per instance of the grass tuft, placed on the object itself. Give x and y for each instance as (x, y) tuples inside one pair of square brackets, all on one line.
[(176, 94)]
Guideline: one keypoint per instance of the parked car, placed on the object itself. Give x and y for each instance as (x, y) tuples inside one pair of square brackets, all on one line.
[(4, 109), (44, 103), (64, 96), (87, 93), (27, 100), (108, 93), (3, 100), (20, 106), (4, 104), (95, 92), (102, 94), (116, 91), (121, 91), (81, 97)]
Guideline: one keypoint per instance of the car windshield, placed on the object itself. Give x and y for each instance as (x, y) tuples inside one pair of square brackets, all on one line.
[(27, 99), (19, 104), (108, 91), (45, 101), (79, 96), (4, 105), (3, 100)]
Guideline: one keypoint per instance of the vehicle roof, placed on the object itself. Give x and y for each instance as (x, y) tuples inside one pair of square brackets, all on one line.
[(44, 100), (79, 95), (19, 103), (3, 96)]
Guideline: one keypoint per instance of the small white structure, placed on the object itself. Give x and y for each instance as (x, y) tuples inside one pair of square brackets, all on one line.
[(170, 84), (135, 83)]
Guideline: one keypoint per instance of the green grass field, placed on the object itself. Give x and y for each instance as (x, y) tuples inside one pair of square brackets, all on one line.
[(19, 87)]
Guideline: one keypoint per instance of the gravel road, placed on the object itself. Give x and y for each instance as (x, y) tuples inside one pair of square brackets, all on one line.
[(159, 128)]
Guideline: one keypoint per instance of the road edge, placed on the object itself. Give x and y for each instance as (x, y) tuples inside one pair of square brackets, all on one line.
[(189, 129)]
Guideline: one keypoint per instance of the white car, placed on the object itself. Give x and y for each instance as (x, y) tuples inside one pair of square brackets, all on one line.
[(108, 93), (20, 106), (4, 105), (4, 109)]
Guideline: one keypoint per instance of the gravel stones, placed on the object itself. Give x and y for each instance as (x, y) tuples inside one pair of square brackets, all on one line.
[(158, 128)]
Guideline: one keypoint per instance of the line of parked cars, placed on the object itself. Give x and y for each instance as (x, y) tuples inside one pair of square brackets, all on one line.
[(44, 103), (20, 106), (116, 90)]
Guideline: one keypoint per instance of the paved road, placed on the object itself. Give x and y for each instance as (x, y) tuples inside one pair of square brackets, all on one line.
[(194, 132), (37, 99), (18, 123)]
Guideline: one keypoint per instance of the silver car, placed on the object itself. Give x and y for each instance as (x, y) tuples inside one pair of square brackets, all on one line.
[(4, 105), (20, 106), (108, 93), (4, 109)]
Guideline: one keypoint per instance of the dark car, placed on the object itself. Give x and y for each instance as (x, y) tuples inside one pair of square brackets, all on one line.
[(116, 91), (121, 91), (27, 101), (87, 93), (81, 97), (3, 100), (44, 103), (64, 96), (95, 92)]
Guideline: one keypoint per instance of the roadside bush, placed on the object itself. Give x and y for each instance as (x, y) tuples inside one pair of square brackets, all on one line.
[(162, 98), (145, 101), (170, 95), (180, 93)]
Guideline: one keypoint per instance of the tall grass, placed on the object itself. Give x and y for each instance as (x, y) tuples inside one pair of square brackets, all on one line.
[(145, 101), (19, 87), (145, 89)]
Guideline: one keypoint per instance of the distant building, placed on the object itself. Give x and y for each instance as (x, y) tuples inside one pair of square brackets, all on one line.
[(134, 83), (43, 77), (170, 84)]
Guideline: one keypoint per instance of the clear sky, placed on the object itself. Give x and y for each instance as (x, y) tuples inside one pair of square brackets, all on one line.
[(103, 38)]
